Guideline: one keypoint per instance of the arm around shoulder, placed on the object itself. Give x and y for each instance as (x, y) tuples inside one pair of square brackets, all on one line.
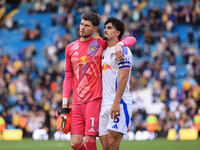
[(128, 41)]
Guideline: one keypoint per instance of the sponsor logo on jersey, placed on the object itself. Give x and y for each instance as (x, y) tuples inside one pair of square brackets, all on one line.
[(111, 55), (92, 47), (115, 126), (105, 67), (91, 130), (84, 60)]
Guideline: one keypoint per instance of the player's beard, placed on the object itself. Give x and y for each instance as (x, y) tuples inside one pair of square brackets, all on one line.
[(86, 35), (105, 38)]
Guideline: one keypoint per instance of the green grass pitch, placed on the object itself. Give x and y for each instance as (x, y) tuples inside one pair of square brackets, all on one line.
[(156, 144)]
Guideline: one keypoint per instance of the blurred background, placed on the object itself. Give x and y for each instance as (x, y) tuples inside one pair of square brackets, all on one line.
[(165, 81)]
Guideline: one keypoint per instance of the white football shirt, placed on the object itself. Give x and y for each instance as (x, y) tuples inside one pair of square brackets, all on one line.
[(110, 69)]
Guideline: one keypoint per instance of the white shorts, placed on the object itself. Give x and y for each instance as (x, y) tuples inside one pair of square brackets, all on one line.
[(118, 125)]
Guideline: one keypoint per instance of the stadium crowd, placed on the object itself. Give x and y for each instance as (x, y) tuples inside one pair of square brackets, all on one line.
[(26, 91)]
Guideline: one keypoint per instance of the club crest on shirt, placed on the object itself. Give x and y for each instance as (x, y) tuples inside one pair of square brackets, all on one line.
[(111, 55), (92, 47)]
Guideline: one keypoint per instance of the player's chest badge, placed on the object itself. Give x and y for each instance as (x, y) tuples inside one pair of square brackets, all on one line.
[(111, 55), (92, 47)]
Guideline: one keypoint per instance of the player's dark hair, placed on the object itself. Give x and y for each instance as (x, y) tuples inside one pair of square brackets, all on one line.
[(118, 24), (93, 17)]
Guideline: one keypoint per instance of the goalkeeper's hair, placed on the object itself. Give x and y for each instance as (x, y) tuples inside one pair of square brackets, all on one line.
[(93, 17), (117, 24)]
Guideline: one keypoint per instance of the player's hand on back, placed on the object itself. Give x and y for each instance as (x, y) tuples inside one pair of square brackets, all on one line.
[(119, 55)]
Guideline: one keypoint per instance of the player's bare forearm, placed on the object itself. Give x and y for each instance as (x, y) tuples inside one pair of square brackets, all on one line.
[(120, 88), (122, 81)]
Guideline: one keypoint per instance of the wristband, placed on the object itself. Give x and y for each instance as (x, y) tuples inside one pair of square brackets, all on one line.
[(121, 43), (64, 100)]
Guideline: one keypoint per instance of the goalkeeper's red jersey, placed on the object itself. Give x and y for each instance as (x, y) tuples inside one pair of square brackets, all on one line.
[(83, 66), (83, 69)]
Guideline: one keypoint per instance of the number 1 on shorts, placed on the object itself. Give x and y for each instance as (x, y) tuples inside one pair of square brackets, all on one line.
[(92, 125)]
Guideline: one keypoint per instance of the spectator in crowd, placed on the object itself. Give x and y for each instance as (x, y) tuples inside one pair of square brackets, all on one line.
[(31, 34), (190, 35)]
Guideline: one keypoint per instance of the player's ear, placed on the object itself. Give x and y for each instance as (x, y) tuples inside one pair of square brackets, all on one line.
[(95, 28), (118, 33)]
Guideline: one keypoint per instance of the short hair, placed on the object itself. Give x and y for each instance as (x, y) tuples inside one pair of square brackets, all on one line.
[(93, 17), (118, 24)]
